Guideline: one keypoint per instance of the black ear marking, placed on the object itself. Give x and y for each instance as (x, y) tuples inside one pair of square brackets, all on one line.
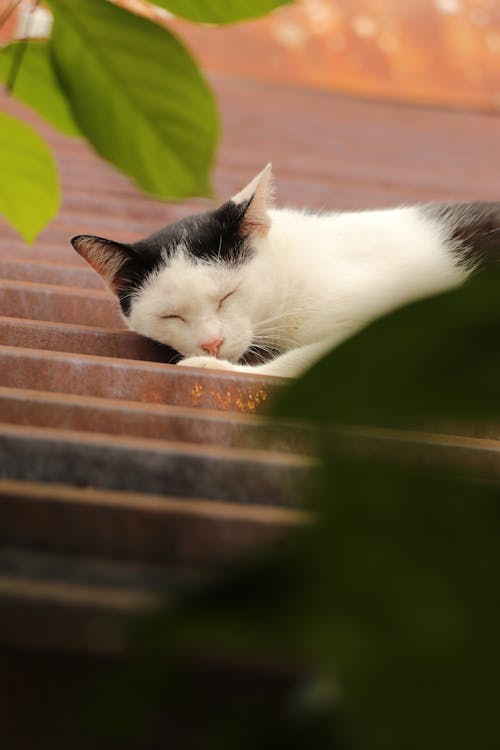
[(105, 256), (123, 267)]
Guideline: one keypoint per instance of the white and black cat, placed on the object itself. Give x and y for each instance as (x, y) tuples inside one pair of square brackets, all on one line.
[(247, 277)]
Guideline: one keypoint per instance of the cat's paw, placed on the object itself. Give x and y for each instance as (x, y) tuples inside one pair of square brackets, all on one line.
[(210, 363)]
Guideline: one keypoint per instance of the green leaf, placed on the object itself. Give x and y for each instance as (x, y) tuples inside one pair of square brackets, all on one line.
[(215, 11), (390, 600), (137, 95), (29, 185), (403, 571), (37, 85), (436, 359)]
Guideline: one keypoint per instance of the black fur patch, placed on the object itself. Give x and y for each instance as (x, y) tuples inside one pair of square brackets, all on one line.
[(211, 236), (473, 230), (214, 236), (133, 273)]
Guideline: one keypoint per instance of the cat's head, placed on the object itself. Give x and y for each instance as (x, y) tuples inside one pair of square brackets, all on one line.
[(194, 285)]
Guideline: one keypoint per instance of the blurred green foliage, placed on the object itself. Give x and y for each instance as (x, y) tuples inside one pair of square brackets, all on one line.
[(130, 87), (375, 628), (437, 359)]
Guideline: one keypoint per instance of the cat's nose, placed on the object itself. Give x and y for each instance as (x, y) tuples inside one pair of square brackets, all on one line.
[(212, 347)]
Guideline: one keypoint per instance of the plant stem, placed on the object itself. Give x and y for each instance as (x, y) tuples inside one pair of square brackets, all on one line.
[(20, 51)]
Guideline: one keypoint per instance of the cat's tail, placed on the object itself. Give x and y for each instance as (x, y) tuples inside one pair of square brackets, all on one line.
[(470, 230)]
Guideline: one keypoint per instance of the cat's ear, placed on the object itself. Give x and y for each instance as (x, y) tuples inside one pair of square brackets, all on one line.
[(257, 197), (107, 257)]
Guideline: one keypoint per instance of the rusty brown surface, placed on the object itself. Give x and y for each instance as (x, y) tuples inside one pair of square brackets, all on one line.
[(149, 382), (68, 337), (135, 526), (85, 401), (102, 410), (163, 422), (26, 299), (155, 466), (39, 271)]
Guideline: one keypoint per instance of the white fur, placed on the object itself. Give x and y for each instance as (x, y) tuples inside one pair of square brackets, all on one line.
[(313, 281), (194, 291)]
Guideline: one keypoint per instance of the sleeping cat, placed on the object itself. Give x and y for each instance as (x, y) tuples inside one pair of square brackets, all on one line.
[(248, 279)]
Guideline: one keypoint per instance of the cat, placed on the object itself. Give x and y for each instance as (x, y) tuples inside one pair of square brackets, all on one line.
[(249, 279)]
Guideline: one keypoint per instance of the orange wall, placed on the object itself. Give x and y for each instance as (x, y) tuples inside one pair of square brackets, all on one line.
[(442, 51), (438, 51)]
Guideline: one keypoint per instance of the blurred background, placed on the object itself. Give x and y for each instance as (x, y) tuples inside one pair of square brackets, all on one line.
[(438, 51)]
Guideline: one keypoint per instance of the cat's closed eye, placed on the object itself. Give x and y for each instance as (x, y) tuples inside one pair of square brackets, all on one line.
[(221, 302), (172, 317)]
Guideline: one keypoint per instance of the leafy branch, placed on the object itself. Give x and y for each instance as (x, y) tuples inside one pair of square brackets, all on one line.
[(128, 86)]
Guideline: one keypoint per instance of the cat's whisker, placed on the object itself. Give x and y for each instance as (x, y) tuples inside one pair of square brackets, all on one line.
[(296, 313), (259, 354), (273, 337), (270, 331), (277, 316)]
